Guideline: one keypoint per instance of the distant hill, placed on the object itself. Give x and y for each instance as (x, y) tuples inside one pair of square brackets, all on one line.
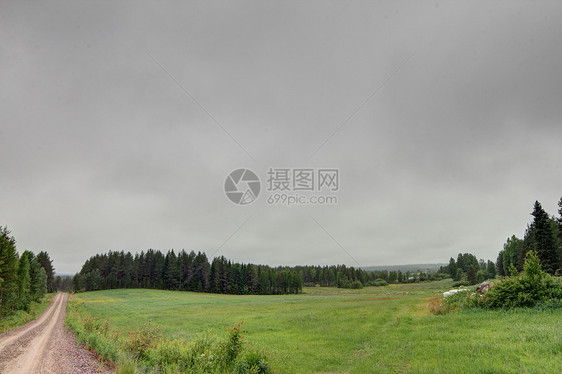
[(404, 268)]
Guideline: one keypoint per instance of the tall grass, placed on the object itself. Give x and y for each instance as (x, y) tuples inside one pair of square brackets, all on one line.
[(146, 350)]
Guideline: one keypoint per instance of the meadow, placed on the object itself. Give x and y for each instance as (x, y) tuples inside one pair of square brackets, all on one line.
[(329, 330)]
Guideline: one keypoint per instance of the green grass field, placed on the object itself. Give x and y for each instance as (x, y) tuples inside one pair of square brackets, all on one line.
[(373, 330)]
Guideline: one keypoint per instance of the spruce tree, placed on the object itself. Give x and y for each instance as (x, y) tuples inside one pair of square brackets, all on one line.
[(560, 234), (560, 211), (544, 239), (452, 268), (41, 285), (24, 283), (33, 275), (499, 264), (491, 269), (471, 275), (47, 264), (8, 272)]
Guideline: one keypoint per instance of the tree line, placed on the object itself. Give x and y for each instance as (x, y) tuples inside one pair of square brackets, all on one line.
[(467, 269), (183, 271), (23, 279), (343, 276), (543, 235), (194, 272)]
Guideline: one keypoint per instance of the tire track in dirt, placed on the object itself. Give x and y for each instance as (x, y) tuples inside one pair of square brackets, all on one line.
[(29, 328), (44, 346)]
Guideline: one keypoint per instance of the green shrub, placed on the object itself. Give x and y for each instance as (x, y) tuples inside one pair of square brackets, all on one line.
[(377, 283), (356, 285), (173, 354), (143, 339), (528, 289), (466, 300), (461, 283), (233, 344), (531, 288), (549, 304), (440, 276), (252, 362)]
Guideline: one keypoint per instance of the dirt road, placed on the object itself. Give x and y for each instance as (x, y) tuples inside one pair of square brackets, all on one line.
[(44, 346)]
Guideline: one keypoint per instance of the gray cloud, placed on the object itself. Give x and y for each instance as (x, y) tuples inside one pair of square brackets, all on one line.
[(100, 149)]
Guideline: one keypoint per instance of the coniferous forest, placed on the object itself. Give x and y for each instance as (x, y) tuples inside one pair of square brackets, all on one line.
[(183, 271), (193, 272), (23, 279), (543, 235)]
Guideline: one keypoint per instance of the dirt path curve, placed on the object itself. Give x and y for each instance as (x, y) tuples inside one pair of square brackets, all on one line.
[(44, 346)]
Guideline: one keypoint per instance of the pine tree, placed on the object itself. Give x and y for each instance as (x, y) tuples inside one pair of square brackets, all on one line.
[(544, 238)]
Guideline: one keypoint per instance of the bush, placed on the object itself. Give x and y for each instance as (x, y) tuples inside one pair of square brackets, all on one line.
[(356, 285), (252, 362), (440, 276), (233, 344), (461, 283), (142, 340), (528, 289), (351, 284), (377, 283), (457, 301), (531, 288)]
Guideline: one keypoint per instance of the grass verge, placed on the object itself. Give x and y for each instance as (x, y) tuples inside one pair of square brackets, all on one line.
[(22, 317)]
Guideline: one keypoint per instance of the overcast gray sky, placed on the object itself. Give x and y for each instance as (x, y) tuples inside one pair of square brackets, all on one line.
[(444, 119)]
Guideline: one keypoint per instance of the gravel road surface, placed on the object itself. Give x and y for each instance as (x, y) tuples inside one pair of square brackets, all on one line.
[(45, 346)]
